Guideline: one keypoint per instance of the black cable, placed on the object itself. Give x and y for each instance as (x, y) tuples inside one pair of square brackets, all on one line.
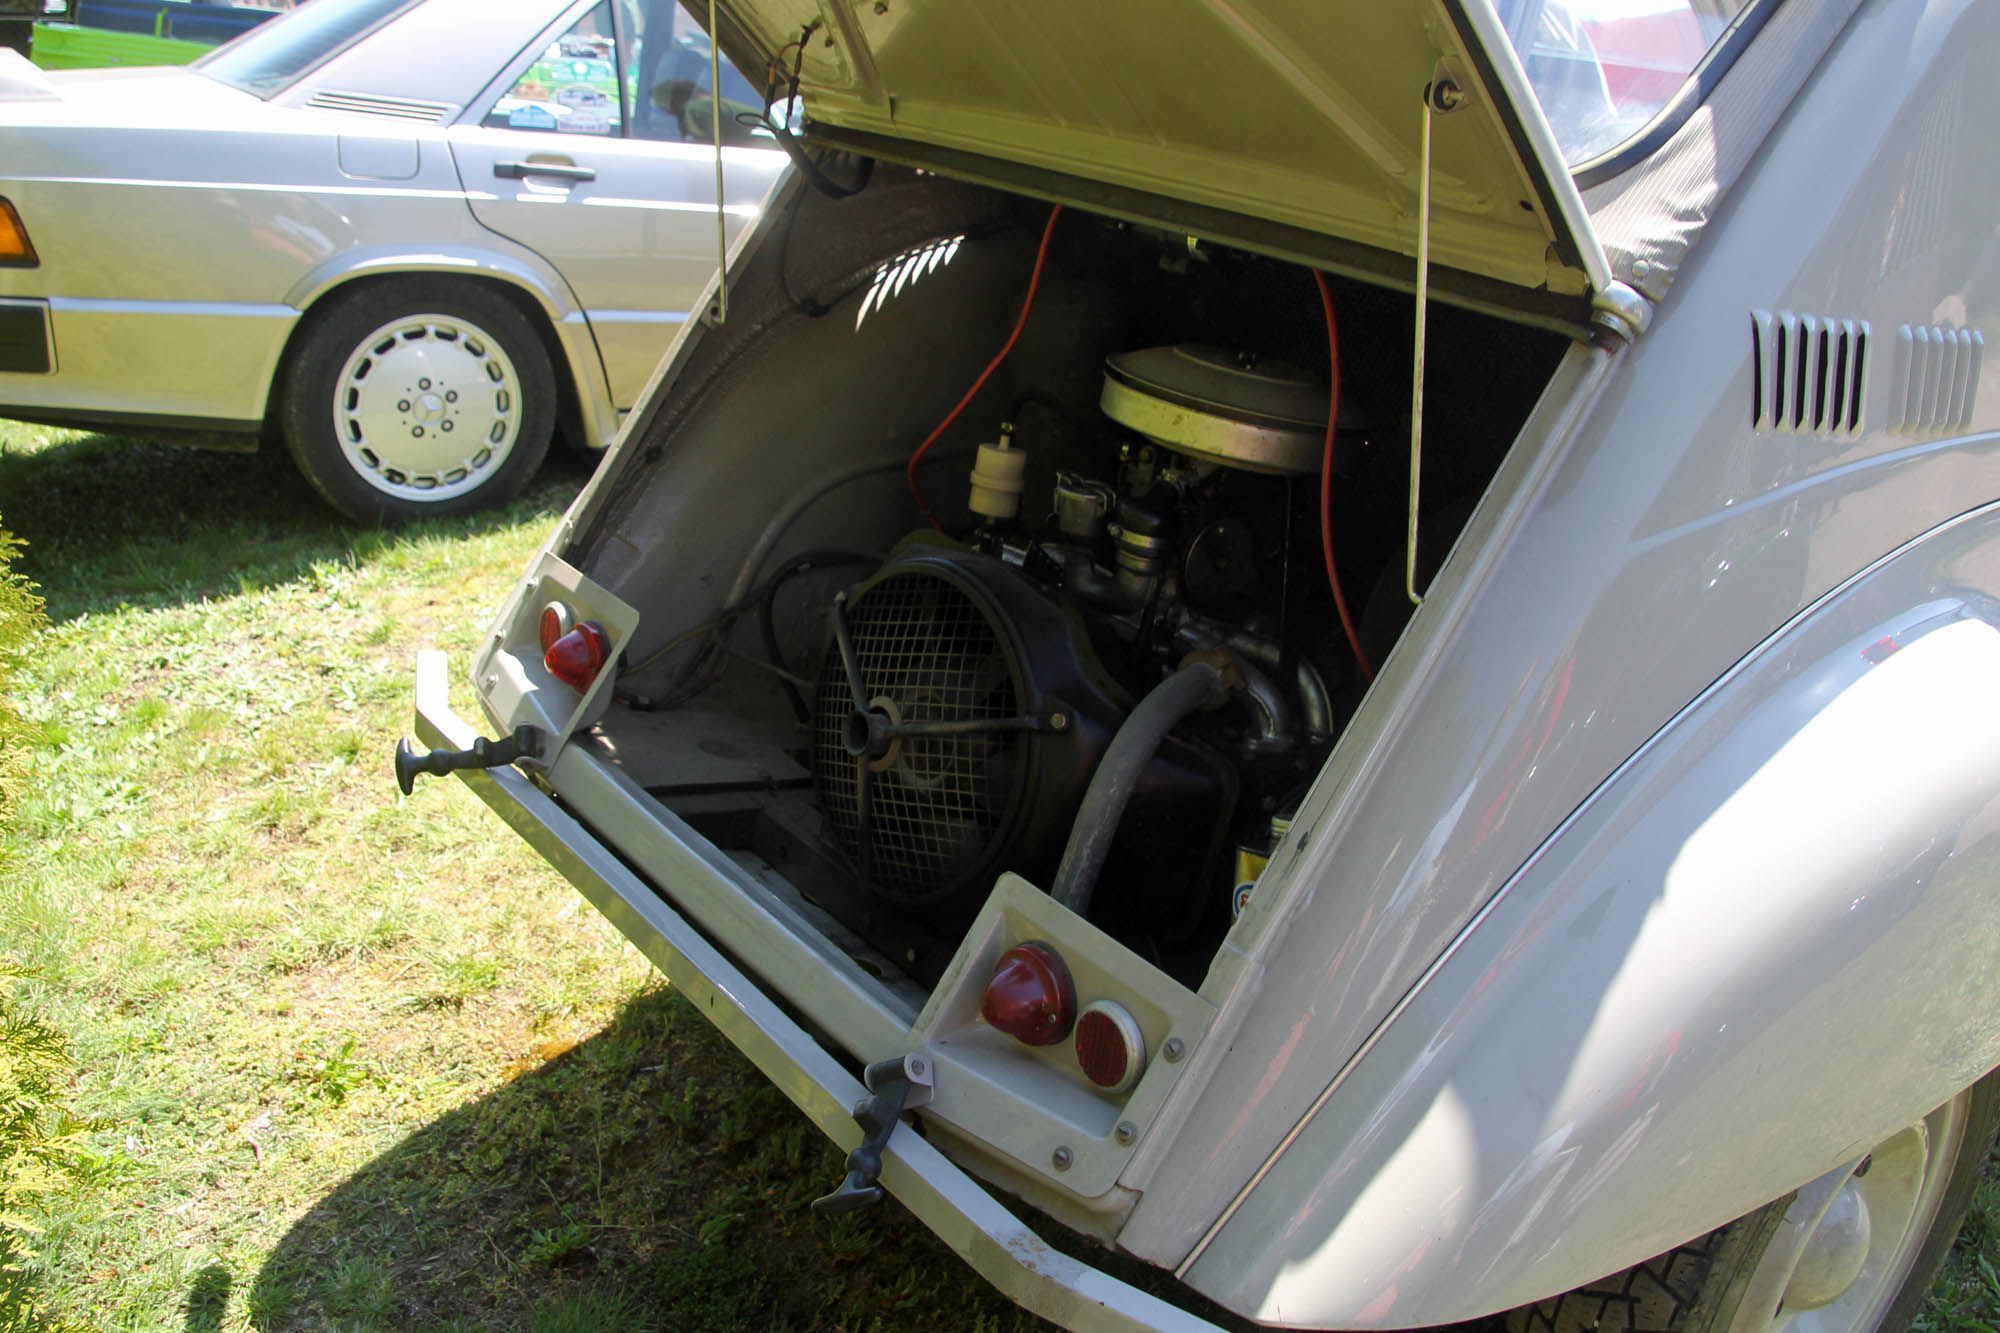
[(808, 307), (815, 174), (763, 597), (767, 607)]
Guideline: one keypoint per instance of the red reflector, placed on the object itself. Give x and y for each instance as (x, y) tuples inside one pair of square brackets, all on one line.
[(1030, 997), (1110, 1046), (557, 620), (577, 657)]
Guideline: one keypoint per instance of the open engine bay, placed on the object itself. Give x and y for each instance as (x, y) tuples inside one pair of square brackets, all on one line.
[(1093, 611)]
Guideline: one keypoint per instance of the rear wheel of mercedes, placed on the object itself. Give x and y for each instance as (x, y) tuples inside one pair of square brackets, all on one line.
[(422, 398), (1854, 1250)]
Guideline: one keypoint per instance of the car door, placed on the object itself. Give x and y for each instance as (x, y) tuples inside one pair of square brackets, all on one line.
[(585, 151)]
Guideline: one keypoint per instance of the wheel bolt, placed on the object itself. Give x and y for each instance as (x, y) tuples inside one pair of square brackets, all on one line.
[(403, 405), (423, 384), (416, 432), (451, 395), (444, 425)]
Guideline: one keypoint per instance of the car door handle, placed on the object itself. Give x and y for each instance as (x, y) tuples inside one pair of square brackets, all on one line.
[(515, 171)]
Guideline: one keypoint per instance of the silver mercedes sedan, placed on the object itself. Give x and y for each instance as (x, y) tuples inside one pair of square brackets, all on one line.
[(413, 239)]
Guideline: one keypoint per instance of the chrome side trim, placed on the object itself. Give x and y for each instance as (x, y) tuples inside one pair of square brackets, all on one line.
[(944, 1198)]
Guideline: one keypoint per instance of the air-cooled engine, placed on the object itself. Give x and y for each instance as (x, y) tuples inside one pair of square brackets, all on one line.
[(970, 688)]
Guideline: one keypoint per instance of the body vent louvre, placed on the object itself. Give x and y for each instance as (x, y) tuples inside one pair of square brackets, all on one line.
[(1806, 372), (1936, 379), (390, 108)]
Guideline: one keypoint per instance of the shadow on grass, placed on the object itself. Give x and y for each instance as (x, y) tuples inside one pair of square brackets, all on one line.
[(110, 521), (648, 1178), (645, 1179)]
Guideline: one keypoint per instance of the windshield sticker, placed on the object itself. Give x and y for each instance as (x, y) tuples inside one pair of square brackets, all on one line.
[(531, 117)]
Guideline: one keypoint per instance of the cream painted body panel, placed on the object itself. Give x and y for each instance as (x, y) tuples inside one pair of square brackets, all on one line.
[(1620, 564), (1308, 113), (1766, 944)]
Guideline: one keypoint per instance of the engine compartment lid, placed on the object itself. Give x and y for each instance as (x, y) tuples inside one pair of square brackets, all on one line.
[(1276, 123)]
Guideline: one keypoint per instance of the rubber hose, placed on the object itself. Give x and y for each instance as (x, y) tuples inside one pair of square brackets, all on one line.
[(1125, 762)]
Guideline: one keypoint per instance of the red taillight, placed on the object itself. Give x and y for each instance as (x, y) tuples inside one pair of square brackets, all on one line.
[(1029, 996), (1110, 1046), (577, 657), (557, 620)]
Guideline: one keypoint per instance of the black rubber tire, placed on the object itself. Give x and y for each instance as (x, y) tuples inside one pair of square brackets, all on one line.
[(337, 328), (1697, 1287)]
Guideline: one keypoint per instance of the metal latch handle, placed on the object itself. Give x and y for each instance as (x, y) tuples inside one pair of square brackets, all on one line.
[(904, 1082), (525, 743)]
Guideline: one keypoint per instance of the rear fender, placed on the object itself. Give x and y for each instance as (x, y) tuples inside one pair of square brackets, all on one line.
[(525, 273), (1768, 941)]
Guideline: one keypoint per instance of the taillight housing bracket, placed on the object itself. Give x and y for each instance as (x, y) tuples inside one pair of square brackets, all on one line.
[(1033, 1103), (511, 672)]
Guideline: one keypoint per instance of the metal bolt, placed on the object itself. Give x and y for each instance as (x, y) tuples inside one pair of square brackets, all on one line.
[(444, 425), (1174, 1050), (491, 681), (1058, 721), (416, 432), (1446, 95), (917, 1065), (403, 405), (451, 395), (1062, 1157), (423, 384), (1126, 1131)]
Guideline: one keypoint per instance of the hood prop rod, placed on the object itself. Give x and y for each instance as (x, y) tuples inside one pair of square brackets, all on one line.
[(1441, 95), (721, 211)]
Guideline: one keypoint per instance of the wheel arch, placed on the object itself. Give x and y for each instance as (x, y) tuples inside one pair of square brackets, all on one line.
[(584, 414), (1765, 941)]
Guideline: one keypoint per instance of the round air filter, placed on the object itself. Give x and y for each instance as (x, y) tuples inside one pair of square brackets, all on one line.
[(1228, 407), (940, 805)]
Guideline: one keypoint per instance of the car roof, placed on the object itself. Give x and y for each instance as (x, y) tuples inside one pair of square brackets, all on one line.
[(440, 53)]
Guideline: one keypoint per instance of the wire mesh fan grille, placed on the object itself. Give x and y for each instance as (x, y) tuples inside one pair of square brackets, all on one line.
[(936, 801)]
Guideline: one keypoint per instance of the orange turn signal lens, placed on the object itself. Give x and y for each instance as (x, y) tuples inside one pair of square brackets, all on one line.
[(15, 249)]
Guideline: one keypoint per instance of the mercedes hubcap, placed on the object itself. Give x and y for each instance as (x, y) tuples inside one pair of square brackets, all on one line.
[(428, 407)]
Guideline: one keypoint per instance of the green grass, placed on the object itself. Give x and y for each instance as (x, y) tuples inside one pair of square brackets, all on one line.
[(359, 1061), (356, 1061)]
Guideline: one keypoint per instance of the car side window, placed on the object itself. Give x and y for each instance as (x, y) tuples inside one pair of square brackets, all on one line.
[(572, 86), (669, 89)]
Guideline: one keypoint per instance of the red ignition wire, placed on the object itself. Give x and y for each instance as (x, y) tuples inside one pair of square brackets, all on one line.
[(1027, 304), (1326, 479)]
